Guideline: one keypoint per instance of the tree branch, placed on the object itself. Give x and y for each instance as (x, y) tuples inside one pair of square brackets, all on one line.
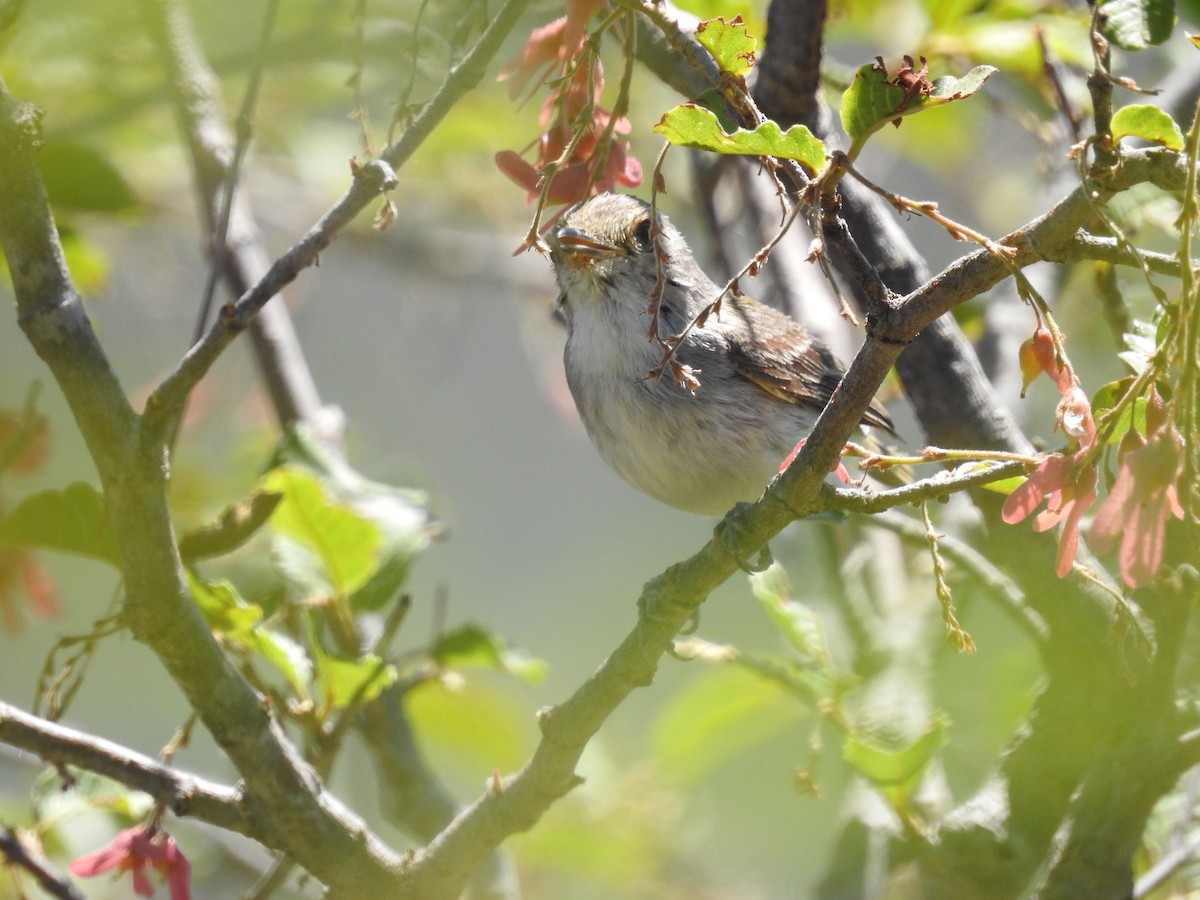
[(183, 794), (15, 853), (243, 256), (289, 807)]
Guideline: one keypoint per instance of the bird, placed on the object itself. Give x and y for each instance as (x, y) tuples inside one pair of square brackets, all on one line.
[(762, 378)]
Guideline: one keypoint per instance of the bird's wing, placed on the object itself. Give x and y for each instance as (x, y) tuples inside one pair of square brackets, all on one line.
[(790, 365)]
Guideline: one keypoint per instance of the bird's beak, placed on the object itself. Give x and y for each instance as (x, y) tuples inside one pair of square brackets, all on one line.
[(581, 244)]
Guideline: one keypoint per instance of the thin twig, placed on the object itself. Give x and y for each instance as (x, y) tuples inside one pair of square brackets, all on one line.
[(183, 794), (17, 854), (245, 130)]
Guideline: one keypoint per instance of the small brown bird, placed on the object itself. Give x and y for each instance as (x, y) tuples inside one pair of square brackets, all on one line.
[(763, 377)]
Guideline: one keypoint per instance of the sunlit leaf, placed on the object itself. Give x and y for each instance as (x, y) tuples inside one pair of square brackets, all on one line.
[(470, 724), (345, 681), (240, 625), (1148, 123), (88, 262), (404, 524), (1137, 24), (285, 654), (872, 100), (895, 770), (1133, 415), (223, 608), (345, 541), (1004, 486), (71, 520), (729, 42), (690, 125)]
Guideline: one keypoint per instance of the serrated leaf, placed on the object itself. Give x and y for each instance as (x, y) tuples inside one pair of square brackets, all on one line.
[(71, 520), (1148, 123), (730, 44), (872, 101), (717, 716), (869, 102), (1137, 24), (690, 125), (895, 770), (345, 541)]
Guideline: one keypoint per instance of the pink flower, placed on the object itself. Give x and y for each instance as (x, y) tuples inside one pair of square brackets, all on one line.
[(134, 850), (1136, 509), (1068, 489)]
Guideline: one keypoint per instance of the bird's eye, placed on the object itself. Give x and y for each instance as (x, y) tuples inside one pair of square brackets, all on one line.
[(641, 233)]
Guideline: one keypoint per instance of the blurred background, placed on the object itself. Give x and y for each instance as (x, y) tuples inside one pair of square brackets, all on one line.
[(438, 344)]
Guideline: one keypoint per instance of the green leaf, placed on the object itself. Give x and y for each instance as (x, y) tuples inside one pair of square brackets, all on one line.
[(1140, 346), (690, 125), (344, 681), (470, 725), (1148, 123), (714, 101), (239, 624), (1005, 486), (404, 523), (1137, 24), (88, 262), (717, 716), (346, 542), (869, 102), (223, 608), (470, 645), (285, 654), (71, 520), (1132, 416), (897, 771), (730, 43), (79, 177), (235, 525), (872, 100)]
